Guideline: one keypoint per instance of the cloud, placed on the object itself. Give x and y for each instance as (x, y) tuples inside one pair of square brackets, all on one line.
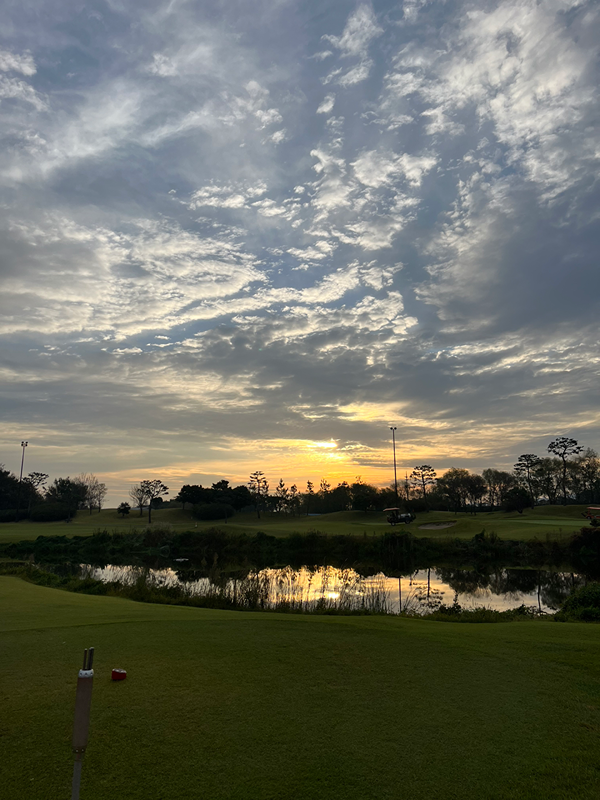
[(360, 30), (186, 239), (326, 104), (14, 62)]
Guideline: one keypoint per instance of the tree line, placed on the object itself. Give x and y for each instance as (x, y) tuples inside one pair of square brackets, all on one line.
[(568, 473), (32, 498)]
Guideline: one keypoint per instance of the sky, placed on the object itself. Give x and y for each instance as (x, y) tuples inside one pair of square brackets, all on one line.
[(256, 234)]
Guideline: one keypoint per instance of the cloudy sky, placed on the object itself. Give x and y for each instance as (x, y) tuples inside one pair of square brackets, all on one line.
[(253, 234)]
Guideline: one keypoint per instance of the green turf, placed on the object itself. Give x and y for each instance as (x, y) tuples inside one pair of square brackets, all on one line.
[(543, 522), (254, 706)]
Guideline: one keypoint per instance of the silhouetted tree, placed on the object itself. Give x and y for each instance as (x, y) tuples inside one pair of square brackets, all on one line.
[(69, 492), (498, 483), (524, 470), (563, 447), (516, 499), (259, 489), (9, 488), (138, 497), (33, 486), (294, 500), (423, 476), (153, 490), (309, 496), (281, 496), (124, 509), (364, 496)]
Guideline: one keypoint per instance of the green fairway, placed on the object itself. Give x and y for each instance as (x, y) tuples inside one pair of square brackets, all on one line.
[(543, 522), (252, 706)]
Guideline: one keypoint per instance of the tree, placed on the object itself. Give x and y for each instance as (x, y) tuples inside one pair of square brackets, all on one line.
[(423, 477), (453, 485), (547, 477), (585, 475), (193, 493), (563, 447), (516, 499), (364, 496), (498, 484), (124, 509), (95, 491), (69, 492), (281, 495), (138, 496), (475, 489), (340, 498), (34, 484), (152, 490), (524, 470), (240, 497), (101, 492), (293, 500), (309, 497), (9, 488), (259, 489)]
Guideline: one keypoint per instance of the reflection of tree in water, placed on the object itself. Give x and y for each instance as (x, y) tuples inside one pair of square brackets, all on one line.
[(552, 588), (465, 581), (557, 586)]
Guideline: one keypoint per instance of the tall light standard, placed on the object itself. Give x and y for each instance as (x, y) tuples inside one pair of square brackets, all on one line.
[(23, 446), (393, 430)]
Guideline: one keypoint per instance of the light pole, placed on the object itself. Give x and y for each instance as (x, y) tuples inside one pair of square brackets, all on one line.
[(23, 446), (393, 430)]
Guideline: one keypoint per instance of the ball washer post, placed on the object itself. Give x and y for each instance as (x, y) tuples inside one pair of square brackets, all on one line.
[(81, 724)]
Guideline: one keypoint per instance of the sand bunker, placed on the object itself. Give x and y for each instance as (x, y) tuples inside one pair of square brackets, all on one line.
[(435, 526)]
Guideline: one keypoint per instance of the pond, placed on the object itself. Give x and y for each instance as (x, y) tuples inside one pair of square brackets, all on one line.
[(347, 590)]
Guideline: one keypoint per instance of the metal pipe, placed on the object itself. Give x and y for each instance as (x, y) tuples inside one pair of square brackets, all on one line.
[(23, 446), (76, 779), (393, 430)]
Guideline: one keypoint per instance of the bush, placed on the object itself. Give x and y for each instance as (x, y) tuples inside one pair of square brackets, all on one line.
[(583, 604), (50, 512), (9, 515), (207, 511)]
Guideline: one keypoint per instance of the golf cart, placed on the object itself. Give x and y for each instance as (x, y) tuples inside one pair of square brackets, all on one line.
[(396, 518), (593, 514)]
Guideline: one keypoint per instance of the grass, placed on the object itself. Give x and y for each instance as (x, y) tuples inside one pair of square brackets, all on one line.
[(251, 706), (543, 522)]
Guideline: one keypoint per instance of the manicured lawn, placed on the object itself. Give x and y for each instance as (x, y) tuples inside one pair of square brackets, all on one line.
[(541, 522), (253, 706)]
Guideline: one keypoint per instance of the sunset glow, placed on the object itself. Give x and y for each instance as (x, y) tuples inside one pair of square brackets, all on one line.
[(238, 241)]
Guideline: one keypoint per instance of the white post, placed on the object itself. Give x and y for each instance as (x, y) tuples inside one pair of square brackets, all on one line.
[(81, 723)]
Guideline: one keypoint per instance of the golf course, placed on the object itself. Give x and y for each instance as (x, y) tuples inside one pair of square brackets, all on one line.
[(221, 704), (250, 705), (542, 521)]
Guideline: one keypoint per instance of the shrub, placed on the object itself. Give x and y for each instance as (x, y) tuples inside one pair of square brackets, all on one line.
[(8, 515), (583, 604), (207, 511), (50, 512)]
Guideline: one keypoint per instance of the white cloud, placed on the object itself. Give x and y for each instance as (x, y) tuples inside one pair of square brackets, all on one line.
[(326, 104), (13, 62), (360, 30)]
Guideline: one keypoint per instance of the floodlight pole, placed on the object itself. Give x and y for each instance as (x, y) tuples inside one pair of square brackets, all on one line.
[(393, 430), (81, 724), (23, 446)]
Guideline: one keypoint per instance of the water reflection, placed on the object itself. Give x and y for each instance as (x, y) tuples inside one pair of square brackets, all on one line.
[(347, 591)]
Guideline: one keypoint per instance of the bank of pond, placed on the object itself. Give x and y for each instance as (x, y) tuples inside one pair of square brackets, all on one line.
[(482, 579)]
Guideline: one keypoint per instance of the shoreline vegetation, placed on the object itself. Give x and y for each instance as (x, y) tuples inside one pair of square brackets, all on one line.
[(232, 563)]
